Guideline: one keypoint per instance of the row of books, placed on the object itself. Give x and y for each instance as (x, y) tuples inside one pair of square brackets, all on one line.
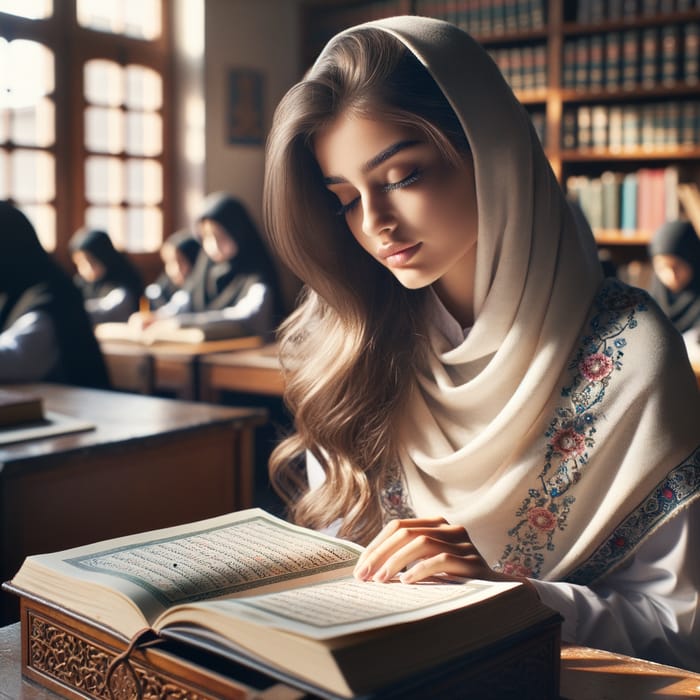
[(646, 126), (524, 67), (596, 11), (640, 200), (633, 58), (487, 17)]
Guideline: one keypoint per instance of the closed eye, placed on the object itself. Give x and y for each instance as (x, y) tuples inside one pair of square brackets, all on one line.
[(411, 178)]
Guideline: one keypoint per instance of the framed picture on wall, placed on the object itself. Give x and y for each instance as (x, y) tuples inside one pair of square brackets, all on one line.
[(244, 122)]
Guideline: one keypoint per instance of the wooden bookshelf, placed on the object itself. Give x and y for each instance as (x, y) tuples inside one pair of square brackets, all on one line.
[(562, 22)]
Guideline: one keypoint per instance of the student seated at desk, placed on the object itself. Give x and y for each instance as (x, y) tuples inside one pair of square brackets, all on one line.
[(675, 256), (233, 284), (45, 333), (471, 396), (110, 283), (179, 253)]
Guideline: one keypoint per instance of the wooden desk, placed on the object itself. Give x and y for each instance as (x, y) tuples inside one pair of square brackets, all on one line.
[(163, 367), (256, 371), (586, 674), (696, 369), (148, 463)]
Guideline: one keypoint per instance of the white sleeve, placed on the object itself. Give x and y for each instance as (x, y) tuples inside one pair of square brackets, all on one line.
[(647, 609), (117, 305), (28, 350)]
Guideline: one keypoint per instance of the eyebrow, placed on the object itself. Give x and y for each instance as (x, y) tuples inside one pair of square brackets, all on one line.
[(376, 160)]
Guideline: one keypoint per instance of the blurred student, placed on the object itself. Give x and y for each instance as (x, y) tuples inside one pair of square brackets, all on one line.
[(110, 282), (675, 257), (233, 285), (45, 333), (179, 253)]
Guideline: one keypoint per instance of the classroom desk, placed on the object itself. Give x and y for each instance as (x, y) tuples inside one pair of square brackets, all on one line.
[(163, 367), (256, 371), (586, 674), (696, 369), (148, 463)]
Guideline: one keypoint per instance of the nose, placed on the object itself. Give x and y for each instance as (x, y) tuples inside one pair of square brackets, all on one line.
[(377, 216)]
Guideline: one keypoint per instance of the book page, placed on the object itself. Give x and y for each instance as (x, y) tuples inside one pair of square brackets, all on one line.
[(228, 559), (343, 606)]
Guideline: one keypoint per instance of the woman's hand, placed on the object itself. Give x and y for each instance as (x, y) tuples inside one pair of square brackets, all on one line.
[(420, 548)]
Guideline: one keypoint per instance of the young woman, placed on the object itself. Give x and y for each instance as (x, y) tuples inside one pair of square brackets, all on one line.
[(45, 333), (111, 284), (471, 396), (233, 284), (179, 253)]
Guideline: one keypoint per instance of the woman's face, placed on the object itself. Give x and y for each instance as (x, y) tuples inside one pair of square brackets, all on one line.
[(406, 205), (177, 266), (674, 272), (88, 266), (217, 244)]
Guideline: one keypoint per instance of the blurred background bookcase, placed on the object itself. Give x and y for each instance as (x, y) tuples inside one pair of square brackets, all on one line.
[(612, 87)]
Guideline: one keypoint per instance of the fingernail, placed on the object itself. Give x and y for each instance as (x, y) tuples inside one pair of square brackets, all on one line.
[(362, 572)]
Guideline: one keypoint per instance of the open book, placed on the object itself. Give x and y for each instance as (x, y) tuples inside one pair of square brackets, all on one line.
[(165, 332), (251, 586)]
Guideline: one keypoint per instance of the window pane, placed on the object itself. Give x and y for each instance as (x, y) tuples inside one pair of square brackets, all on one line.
[(136, 18), (110, 219), (101, 15), (33, 176), (43, 218), (142, 18), (144, 88), (144, 182), (31, 9), (104, 180), (26, 72), (145, 229), (4, 181), (104, 82), (34, 126), (144, 134), (104, 130)]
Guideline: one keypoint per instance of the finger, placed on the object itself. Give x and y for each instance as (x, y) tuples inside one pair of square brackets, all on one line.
[(377, 550), (406, 545), (462, 566), (424, 547)]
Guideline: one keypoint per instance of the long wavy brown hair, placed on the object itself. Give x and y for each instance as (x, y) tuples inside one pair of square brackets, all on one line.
[(351, 348)]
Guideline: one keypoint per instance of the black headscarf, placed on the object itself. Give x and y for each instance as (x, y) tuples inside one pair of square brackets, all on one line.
[(30, 280), (217, 285), (119, 270), (162, 290), (680, 239)]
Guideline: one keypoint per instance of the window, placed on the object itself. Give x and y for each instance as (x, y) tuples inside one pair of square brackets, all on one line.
[(83, 132)]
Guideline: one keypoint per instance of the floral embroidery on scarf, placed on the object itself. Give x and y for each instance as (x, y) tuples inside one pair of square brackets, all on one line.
[(571, 432), (393, 497), (679, 487)]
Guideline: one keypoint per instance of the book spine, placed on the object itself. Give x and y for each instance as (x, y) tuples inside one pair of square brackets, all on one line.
[(628, 204), (649, 58), (670, 49), (630, 59), (691, 53), (613, 52)]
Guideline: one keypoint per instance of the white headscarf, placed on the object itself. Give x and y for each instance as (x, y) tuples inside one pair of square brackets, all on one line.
[(568, 406)]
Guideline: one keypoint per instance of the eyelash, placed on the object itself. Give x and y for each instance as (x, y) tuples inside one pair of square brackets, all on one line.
[(413, 177)]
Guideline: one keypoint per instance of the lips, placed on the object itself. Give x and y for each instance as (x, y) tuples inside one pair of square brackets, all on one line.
[(398, 254)]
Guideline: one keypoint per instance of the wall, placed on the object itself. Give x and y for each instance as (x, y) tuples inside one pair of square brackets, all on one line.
[(258, 34)]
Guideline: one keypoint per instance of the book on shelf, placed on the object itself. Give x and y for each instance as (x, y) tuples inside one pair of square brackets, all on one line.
[(20, 408), (254, 589), (164, 332)]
